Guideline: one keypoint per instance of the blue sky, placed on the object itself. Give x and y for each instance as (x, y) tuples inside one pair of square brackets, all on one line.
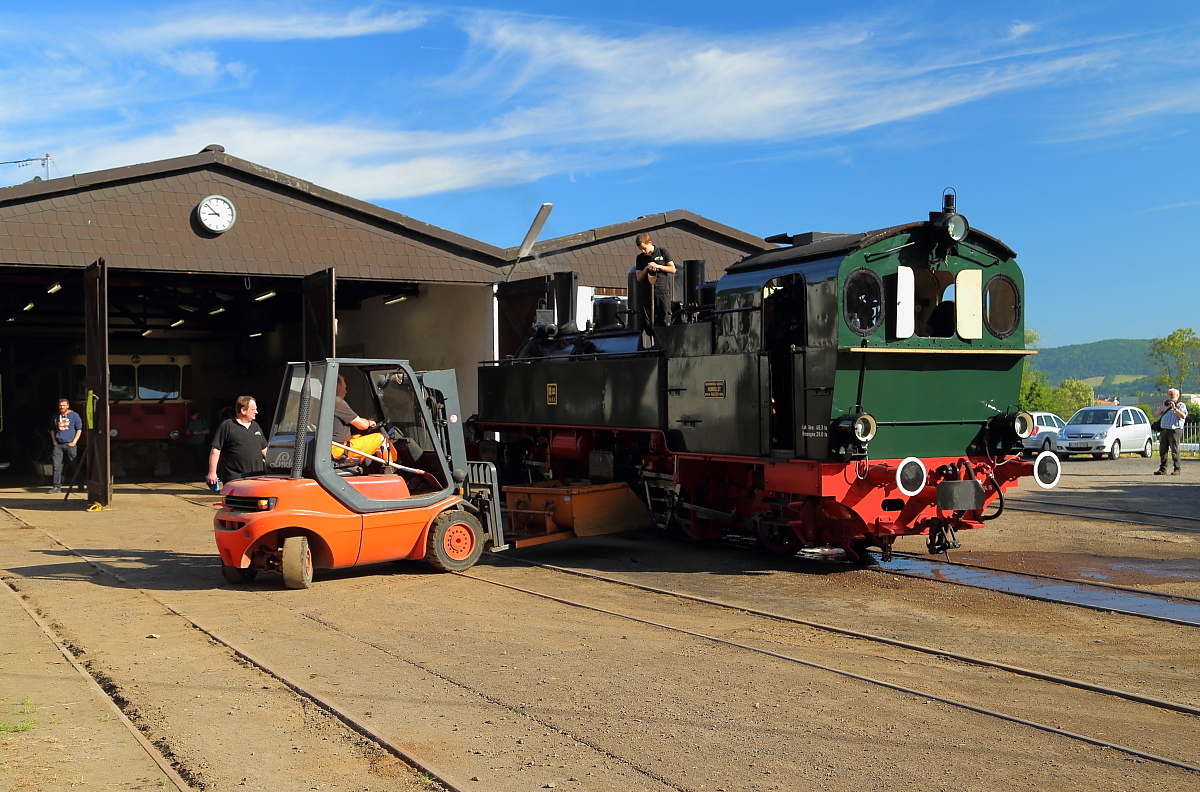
[(1068, 129)]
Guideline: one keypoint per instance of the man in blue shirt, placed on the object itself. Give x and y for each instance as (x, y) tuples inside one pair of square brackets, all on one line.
[(64, 436)]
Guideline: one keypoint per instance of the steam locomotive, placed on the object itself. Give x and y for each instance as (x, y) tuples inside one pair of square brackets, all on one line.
[(826, 396)]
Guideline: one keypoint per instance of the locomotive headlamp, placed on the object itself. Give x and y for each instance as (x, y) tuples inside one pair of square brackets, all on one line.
[(1022, 425), (173, 434), (957, 227), (859, 427)]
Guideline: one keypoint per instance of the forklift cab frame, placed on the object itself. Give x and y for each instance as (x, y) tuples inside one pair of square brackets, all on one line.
[(312, 512), (417, 411)]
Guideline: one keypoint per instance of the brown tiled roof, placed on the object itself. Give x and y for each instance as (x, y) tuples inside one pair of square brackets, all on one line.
[(603, 256), (141, 217)]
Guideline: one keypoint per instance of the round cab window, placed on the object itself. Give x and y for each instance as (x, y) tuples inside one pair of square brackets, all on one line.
[(1001, 306), (863, 301)]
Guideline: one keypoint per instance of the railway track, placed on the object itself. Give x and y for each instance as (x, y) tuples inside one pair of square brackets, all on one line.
[(1089, 594), (449, 782), (1174, 522), (1023, 672)]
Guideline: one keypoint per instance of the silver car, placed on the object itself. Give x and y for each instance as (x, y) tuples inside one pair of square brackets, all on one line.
[(1106, 431), (1046, 427)]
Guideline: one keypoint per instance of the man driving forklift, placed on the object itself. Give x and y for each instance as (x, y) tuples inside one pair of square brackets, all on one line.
[(373, 443)]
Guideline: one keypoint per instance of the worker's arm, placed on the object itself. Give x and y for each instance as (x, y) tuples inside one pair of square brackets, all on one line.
[(214, 454)]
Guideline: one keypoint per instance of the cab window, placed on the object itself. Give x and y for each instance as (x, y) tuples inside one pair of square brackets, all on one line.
[(934, 303), (863, 301), (122, 383), (1001, 306), (158, 382)]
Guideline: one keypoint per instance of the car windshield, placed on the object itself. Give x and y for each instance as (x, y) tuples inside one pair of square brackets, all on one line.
[(1093, 417)]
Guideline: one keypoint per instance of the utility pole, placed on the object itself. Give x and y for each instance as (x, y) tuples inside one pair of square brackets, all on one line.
[(21, 163)]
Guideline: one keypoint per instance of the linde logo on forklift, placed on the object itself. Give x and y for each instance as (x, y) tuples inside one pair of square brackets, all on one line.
[(402, 489)]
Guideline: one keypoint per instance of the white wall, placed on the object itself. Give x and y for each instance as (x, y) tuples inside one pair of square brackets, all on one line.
[(445, 326)]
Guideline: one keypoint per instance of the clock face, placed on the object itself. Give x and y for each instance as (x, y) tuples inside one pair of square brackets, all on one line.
[(216, 213)]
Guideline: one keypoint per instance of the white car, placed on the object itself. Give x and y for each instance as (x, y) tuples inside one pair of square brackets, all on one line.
[(1106, 431), (1046, 427)]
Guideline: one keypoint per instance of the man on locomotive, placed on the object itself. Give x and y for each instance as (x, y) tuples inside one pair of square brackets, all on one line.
[(654, 271), (344, 420)]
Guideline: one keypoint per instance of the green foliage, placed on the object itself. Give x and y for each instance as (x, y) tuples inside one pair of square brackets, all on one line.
[(23, 726), (1035, 390), (1145, 408), (1070, 396), (1098, 359), (1177, 357)]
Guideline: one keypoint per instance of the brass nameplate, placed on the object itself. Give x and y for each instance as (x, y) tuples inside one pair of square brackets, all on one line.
[(552, 393), (714, 389)]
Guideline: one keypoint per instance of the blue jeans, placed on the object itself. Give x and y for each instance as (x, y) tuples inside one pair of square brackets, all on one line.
[(56, 457)]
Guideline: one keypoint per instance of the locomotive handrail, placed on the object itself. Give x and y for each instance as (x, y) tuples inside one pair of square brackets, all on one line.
[(981, 421), (913, 350), (736, 310)]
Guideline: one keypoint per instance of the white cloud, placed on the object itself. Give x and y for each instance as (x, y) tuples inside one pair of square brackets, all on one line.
[(203, 25), (531, 97), (1018, 29), (670, 88)]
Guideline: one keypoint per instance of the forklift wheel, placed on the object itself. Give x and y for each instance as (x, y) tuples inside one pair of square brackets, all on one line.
[(455, 541), (237, 575), (297, 562)]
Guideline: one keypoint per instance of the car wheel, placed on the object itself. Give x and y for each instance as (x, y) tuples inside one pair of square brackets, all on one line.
[(1115, 451), (297, 562), (455, 541), (237, 575), (1047, 445), (1148, 449)]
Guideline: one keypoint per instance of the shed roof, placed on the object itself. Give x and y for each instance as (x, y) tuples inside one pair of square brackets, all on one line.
[(141, 217), (603, 256)]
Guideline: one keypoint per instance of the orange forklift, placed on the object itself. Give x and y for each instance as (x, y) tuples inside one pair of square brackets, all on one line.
[(326, 505)]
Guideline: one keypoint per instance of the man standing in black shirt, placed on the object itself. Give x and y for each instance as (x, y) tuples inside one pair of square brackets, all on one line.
[(655, 261), (239, 447)]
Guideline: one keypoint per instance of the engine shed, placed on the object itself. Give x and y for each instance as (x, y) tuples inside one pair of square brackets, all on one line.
[(209, 258)]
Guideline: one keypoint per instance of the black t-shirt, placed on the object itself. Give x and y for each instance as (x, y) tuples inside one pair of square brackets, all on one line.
[(241, 449), (662, 282), (342, 416)]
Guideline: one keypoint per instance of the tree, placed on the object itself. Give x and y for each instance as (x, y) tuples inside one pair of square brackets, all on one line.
[(1036, 394), (1070, 396), (1035, 385), (1178, 355)]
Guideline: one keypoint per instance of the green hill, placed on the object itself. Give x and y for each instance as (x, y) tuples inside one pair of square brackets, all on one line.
[(1120, 365)]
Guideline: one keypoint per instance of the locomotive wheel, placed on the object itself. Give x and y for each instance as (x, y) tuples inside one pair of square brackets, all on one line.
[(1115, 451), (778, 539), (1148, 449), (237, 575), (297, 563), (455, 541), (862, 548), (704, 530)]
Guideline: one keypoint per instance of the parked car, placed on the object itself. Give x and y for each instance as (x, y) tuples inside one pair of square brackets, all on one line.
[(1101, 431), (1046, 427)]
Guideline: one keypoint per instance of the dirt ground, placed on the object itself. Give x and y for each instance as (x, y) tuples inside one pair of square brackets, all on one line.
[(501, 690)]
